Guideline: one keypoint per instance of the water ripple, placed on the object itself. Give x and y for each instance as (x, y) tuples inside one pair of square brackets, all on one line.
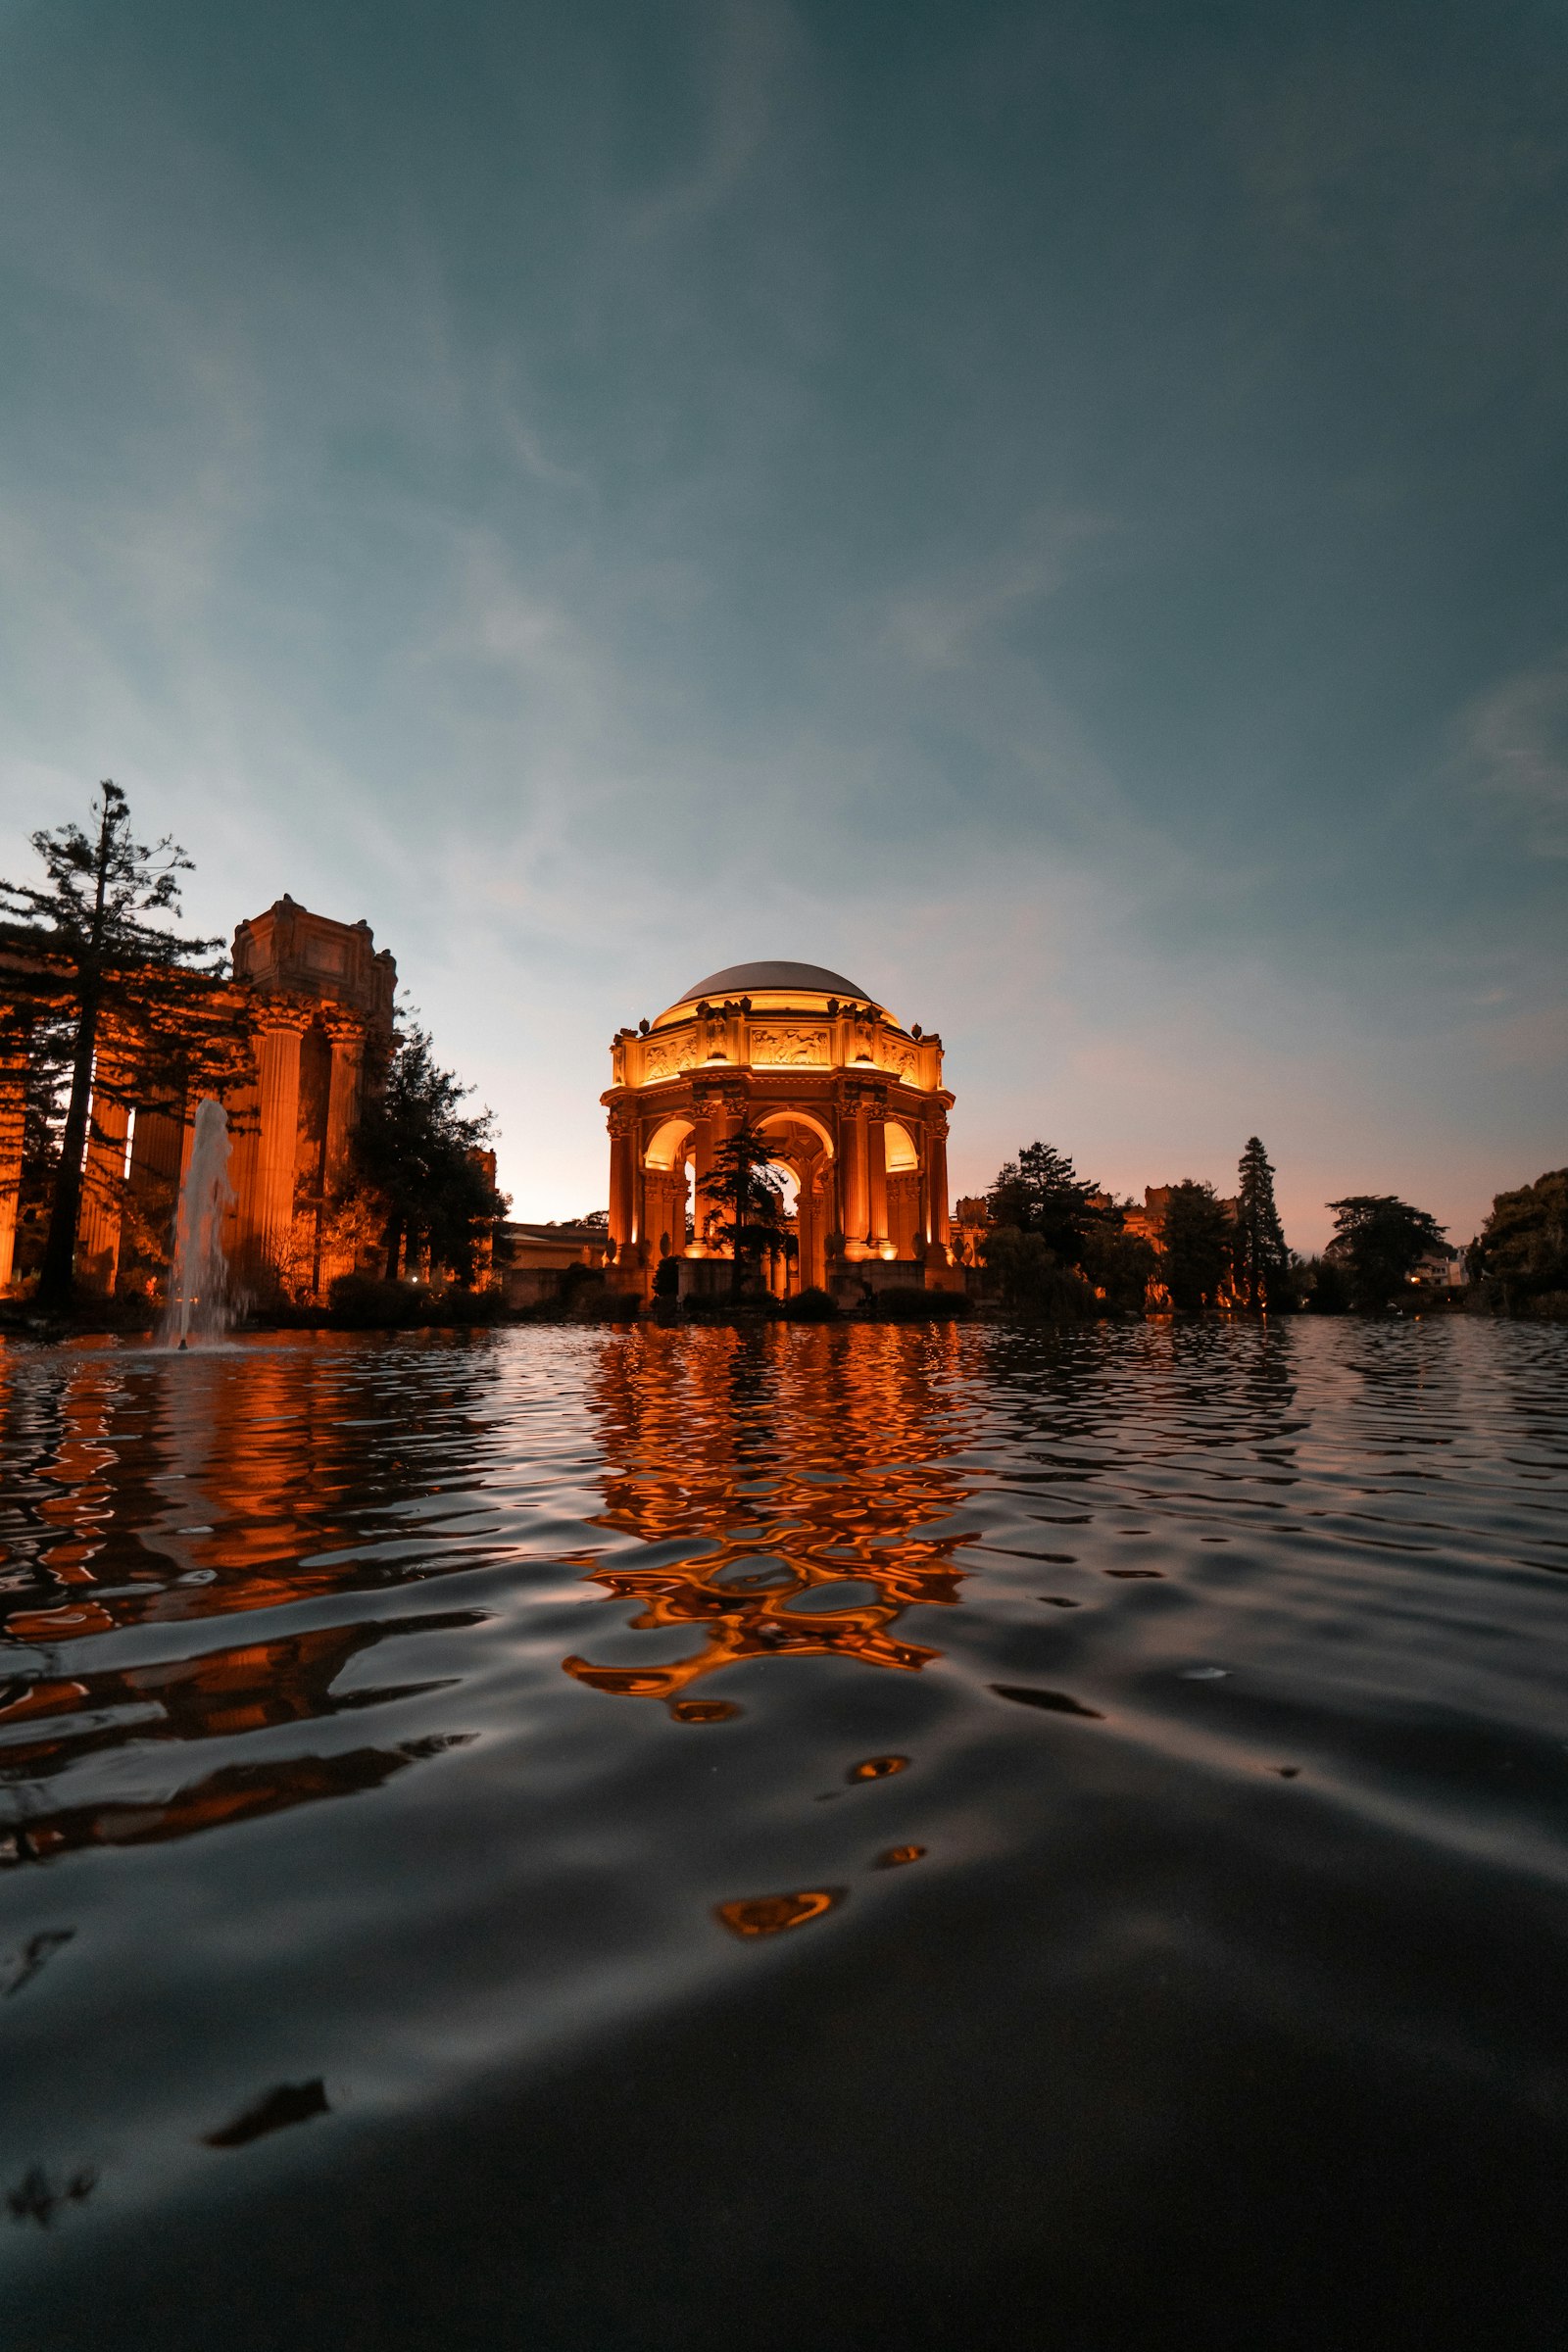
[(387, 1722)]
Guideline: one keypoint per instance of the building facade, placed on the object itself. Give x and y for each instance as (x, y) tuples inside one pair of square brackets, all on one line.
[(318, 996), (853, 1104)]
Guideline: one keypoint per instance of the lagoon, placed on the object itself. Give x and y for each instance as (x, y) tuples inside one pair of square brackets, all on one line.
[(808, 1836)]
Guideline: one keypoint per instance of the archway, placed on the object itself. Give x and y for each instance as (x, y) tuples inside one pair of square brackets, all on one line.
[(804, 1147), (667, 1188)]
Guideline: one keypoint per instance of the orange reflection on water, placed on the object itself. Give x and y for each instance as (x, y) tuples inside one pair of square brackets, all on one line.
[(797, 1483), (771, 1914), (140, 1492)]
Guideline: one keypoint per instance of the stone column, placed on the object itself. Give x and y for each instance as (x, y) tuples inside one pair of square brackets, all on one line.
[(347, 1039), (937, 1155), (854, 1188), (877, 1164), (277, 1137), (623, 1182), (103, 1183), (13, 1100)]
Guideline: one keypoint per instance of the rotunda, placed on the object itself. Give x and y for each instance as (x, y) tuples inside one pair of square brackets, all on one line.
[(854, 1102)]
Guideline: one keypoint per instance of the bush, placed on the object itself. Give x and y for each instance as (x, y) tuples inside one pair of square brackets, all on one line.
[(365, 1302), (667, 1281), (594, 1303), (910, 1305), (811, 1306)]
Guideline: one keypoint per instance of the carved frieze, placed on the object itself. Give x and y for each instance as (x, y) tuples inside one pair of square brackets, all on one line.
[(664, 1057), (790, 1048)]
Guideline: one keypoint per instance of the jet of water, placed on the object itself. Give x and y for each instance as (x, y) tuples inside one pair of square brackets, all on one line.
[(198, 1304)]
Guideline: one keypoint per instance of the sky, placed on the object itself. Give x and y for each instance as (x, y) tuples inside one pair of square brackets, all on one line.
[(1056, 512)]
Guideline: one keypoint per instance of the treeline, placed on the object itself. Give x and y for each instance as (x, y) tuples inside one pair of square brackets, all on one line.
[(1058, 1244), (106, 1007)]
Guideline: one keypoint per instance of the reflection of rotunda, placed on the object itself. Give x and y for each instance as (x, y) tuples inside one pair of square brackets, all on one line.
[(854, 1103)]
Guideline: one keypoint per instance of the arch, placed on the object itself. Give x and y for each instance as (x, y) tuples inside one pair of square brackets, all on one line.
[(664, 1144), (790, 1116), (900, 1148)]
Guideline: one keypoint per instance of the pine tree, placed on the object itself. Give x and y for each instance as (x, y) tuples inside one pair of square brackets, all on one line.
[(101, 973), (1260, 1258), (419, 1154), (1042, 1193), (742, 1183)]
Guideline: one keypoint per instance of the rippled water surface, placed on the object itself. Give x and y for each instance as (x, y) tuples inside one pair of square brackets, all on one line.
[(800, 1838)]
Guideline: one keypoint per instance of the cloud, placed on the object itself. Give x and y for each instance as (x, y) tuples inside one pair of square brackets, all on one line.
[(1516, 739), (749, 50)]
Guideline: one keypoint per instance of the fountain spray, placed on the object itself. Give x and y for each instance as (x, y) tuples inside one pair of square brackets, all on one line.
[(199, 1303)]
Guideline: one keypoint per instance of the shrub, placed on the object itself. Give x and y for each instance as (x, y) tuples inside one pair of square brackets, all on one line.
[(366, 1302), (811, 1306), (910, 1305), (594, 1303)]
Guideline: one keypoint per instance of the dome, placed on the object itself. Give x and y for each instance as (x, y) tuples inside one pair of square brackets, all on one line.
[(752, 979)]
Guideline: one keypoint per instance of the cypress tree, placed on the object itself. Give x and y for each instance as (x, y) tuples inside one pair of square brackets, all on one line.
[(1259, 1260)]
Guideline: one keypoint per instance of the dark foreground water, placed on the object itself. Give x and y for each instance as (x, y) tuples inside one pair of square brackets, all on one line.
[(824, 1839)]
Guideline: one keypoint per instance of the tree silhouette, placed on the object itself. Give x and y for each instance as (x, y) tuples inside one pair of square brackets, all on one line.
[(1522, 1254), (1379, 1240), (418, 1151), (748, 1191), (102, 974), (1042, 1193), (1259, 1260), (1196, 1233)]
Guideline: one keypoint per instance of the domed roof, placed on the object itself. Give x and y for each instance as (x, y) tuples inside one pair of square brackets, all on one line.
[(748, 979)]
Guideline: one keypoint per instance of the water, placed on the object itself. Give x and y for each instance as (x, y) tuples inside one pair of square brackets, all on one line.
[(825, 1838), (199, 1306)]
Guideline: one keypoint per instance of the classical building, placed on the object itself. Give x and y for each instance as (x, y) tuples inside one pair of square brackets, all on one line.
[(318, 1000), (535, 1261), (853, 1103)]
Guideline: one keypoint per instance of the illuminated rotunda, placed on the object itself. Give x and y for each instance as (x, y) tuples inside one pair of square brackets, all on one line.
[(854, 1103)]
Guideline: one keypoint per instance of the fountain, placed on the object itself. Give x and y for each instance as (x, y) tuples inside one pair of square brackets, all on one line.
[(198, 1304)]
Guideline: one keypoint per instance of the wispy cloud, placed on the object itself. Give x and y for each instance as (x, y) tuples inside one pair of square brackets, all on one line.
[(1516, 739)]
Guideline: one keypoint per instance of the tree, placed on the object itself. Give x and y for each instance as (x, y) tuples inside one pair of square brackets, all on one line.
[(1121, 1265), (1329, 1289), (1521, 1258), (1042, 1193), (1196, 1233), (748, 1192), (422, 1157), (126, 1005), (1379, 1240), (1031, 1277), (1259, 1260)]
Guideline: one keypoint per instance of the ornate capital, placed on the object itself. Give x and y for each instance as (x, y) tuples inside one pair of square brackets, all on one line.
[(863, 1098), (717, 1092), (282, 1014), (342, 1027)]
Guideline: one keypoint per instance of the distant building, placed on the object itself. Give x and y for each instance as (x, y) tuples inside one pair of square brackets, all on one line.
[(852, 1100), (321, 994), (533, 1261)]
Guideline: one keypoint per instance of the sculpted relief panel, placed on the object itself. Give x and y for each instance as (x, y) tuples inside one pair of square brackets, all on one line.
[(662, 1058), (790, 1048)]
